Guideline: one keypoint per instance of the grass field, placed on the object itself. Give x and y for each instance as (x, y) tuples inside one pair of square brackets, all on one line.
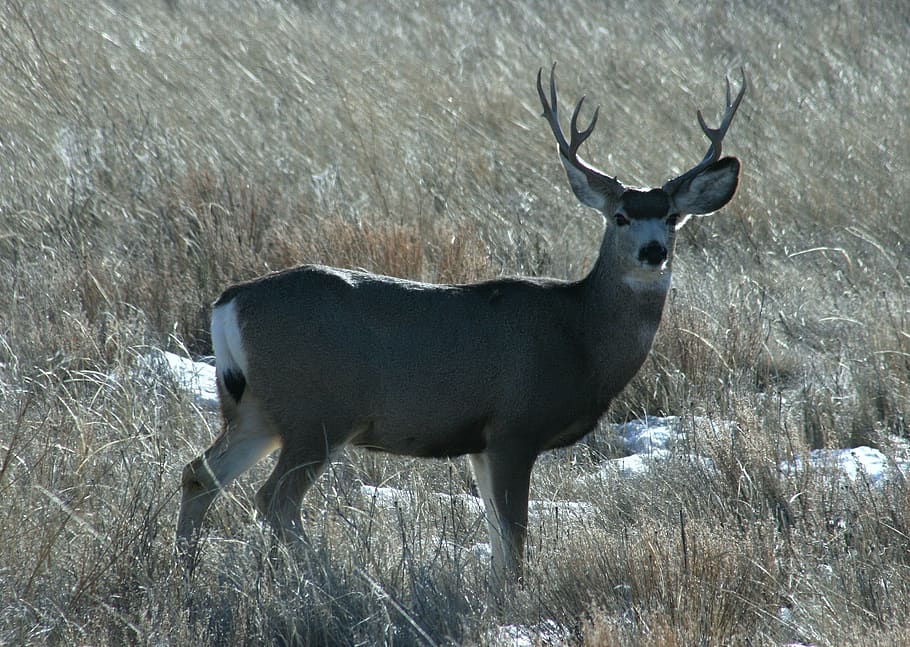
[(152, 153)]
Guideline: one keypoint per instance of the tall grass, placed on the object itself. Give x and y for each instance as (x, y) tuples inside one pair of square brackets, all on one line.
[(153, 153)]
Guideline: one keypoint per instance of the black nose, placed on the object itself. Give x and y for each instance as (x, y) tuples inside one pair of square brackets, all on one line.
[(653, 253)]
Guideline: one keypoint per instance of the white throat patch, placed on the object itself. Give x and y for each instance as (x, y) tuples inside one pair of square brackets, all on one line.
[(647, 280)]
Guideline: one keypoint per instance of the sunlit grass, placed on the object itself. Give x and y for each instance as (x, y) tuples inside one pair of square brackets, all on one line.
[(152, 154)]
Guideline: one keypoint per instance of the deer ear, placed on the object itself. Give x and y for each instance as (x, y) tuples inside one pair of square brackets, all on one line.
[(592, 188), (581, 187), (708, 190)]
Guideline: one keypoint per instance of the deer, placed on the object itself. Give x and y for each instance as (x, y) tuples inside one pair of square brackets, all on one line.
[(313, 359)]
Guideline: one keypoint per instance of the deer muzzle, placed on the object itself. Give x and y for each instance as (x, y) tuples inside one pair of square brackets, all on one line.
[(654, 254)]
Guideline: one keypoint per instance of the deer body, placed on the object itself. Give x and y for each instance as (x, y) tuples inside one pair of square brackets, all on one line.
[(500, 361), (313, 359)]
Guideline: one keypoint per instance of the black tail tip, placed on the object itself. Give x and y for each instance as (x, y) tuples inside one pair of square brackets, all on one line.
[(234, 384)]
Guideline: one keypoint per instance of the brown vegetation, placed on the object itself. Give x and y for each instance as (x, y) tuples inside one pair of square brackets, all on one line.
[(151, 153)]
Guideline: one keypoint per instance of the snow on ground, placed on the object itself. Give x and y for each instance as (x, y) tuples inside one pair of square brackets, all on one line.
[(860, 463), (546, 632), (388, 498), (197, 378), (651, 436)]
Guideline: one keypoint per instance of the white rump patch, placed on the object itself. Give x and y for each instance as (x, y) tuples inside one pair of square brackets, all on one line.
[(227, 341)]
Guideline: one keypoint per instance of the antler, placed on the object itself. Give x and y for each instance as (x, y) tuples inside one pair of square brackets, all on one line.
[(596, 180), (715, 136)]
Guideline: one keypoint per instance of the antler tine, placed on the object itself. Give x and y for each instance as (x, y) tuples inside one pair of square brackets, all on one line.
[(550, 110), (569, 149), (578, 138), (714, 135)]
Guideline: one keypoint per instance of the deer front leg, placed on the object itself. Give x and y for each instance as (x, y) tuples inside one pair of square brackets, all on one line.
[(240, 444), (503, 479)]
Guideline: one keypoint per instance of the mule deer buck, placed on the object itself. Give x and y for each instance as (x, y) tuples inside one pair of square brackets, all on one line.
[(314, 358)]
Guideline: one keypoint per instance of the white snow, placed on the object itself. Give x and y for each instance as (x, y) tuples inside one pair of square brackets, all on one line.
[(565, 509), (197, 378), (546, 632), (649, 435), (387, 498), (859, 463)]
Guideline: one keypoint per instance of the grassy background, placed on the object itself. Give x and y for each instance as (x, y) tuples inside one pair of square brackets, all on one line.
[(151, 153)]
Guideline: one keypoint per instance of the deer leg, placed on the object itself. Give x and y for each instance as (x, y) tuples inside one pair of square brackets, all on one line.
[(503, 479), (242, 443), (279, 499)]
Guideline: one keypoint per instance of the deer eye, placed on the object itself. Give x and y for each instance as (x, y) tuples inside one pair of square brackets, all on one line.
[(621, 220), (672, 219)]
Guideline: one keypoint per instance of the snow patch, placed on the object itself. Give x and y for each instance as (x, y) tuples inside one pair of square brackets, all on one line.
[(197, 378), (387, 498), (859, 463), (547, 632), (649, 435)]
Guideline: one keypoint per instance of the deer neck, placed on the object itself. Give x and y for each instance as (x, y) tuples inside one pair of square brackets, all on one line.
[(622, 310)]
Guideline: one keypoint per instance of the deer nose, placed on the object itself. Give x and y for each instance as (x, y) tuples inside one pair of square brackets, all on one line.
[(654, 253)]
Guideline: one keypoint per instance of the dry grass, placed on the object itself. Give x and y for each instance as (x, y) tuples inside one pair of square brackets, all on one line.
[(151, 154)]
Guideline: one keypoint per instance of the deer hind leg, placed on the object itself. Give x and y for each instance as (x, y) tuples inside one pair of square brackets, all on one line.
[(280, 497), (246, 438), (503, 479)]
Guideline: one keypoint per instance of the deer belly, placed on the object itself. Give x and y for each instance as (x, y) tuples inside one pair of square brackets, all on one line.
[(570, 435), (431, 440)]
